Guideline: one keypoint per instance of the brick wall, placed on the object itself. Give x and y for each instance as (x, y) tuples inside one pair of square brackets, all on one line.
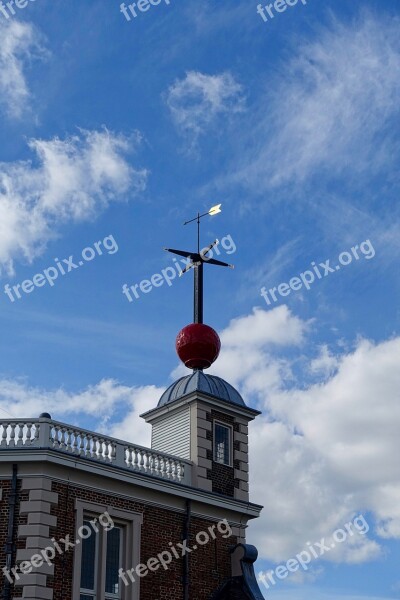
[(4, 512), (6, 487), (209, 564)]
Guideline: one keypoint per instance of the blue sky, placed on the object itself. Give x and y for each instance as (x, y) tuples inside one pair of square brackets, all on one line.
[(117, 131)]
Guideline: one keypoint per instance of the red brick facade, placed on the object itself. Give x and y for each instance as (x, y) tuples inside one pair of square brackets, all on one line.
[(210, 564), (19, 520)]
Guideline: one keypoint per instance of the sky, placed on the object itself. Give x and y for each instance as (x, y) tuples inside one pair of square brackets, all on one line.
[(113, 132)]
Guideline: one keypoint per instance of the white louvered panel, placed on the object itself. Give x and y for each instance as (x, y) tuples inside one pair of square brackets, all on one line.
[(172, 434)]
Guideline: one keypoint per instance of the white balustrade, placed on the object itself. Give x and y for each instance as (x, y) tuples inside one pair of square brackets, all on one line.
[(19, 433), (45, 433)]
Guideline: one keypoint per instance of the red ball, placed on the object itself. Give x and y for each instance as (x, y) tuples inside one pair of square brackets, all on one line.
[(198, 346)]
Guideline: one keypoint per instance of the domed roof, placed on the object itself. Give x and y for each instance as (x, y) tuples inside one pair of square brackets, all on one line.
[(211, 385)]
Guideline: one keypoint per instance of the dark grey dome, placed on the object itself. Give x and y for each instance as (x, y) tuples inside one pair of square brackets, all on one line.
[(211, 385)]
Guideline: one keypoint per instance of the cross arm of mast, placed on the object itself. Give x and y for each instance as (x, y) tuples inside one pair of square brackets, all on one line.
[(212, 261), (181, 252)]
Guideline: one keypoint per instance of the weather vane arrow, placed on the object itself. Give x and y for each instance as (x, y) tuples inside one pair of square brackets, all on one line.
[(197, 261)]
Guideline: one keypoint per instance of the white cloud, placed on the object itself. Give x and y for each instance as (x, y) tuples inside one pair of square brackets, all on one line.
[(324, 364), (21, 400), (198, 99), (332, 108), (262, 328), (20, 43), (247, 345), (330, 451), (73, 181)]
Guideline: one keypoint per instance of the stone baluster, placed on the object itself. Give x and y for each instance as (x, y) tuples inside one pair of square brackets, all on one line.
[(113, 456), (88, 442), (4, 434), (20, 437), (163, 468), (12, 434), (28, 440), (37, 433), (68, 436), (173, 469), (74, 445), (54, 437), (141, 463), (100, 455), (81, 448), (107, 451)]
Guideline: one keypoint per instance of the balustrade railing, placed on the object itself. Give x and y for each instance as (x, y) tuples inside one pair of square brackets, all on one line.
[(46, 433)]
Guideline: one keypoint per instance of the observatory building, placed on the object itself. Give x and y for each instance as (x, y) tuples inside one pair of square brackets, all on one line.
[(84, 516)]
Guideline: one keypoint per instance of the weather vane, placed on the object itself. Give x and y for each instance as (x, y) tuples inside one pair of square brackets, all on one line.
[(197, 261)]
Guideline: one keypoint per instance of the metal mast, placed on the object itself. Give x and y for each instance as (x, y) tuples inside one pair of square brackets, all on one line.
[(197, 262)]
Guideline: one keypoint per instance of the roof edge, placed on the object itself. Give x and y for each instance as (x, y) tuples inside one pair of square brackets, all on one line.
[(203, 397)]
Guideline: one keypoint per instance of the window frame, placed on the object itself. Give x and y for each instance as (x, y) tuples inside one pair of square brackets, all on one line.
[(98, 546), (230, 437), (130, 523), (121, 526)]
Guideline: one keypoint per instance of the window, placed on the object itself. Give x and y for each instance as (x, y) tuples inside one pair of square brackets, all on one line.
[(222, 444), (92, 575), (113, 562), (89, 561), (106, 546)]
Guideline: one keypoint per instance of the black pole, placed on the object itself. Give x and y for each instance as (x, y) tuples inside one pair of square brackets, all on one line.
[(10, 545), (198, 282), (198, 294), (186, 563)]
